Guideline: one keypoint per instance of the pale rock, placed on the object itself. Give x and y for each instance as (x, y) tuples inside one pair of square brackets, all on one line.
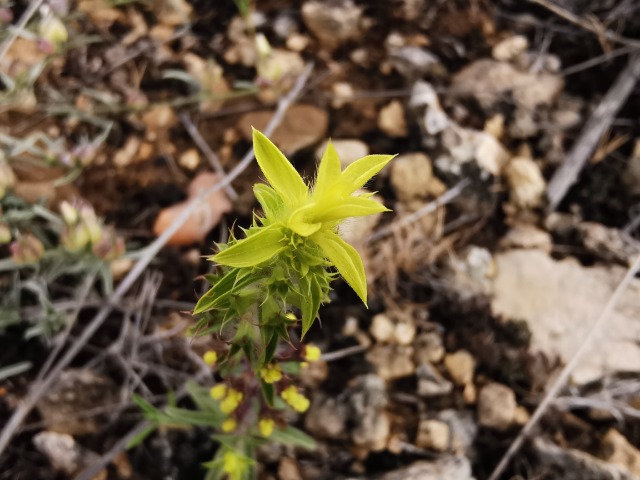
[(523, 125), (509, 48), (391, 119), (297, 42), (128, 153), (302, 126), (428, 348), (411, 174), (526, 183), (64, 454), (615, 448), (368, 400), (471, 272), (496, 407), (288, 469), (382, 328), (431, 383), (414, 62), (527, 236), (433, 435), (463, 428), (404, 332), (489, 81), (559, 319), (350, 327), (333, 23), (342, 93), (568, 113), (495, 126), (521, 416), (327, 417), (470, 394), (609, 244), (392, 361), (361, 57), (285, 24), (449, 468), (243, 48), (460, 366), (189, 159), (349, 150), (466, 145)]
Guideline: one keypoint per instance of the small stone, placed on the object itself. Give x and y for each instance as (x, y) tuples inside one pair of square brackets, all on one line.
[(509, 48), (127, 154), (327, 417), (528, 237), (431, 383), (333, 24), (314, 374), (496, 406), (350, 327), (349, 150), (391, 119), (526, 183), (288, 469), (342, 93), (410, 175), (433, 435), (463, 428), (615, 448), (404, 333), (368, 400), (190, 159), (428, 348), (413, 62), (64, 454), (460, 366), (446, 468), (297, 42), (470, 394), (521, 417), (382, 328), (392, 361)]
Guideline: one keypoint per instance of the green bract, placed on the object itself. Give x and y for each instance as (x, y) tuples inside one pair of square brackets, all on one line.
[(298, 216)]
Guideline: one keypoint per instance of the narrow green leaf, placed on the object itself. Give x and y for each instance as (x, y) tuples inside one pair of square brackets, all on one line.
[(253, 250), (268, 392), (346, 260), (328, 170), (293, 436), (311, 294), (278, 170), (351, 207), (362, 170), (141, 436)]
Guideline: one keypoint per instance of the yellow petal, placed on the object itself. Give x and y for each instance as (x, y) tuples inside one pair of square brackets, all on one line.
[(346, 260), (278, 170)]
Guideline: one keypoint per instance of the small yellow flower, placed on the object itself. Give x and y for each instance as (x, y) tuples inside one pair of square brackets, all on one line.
[(271, 373), (231, 401), (218, 392), (266, 426), (210, 357), (295, 399), (233, 464), (53, 30), (229, 425), (312, 353)]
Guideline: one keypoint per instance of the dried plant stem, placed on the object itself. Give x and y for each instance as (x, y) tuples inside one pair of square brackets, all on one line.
[(566, 371), (148, 254), (24, 19)]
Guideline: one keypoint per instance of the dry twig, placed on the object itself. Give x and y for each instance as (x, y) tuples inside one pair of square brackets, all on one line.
[(601, 118)]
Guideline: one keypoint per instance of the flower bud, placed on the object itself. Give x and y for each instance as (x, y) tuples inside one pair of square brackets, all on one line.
[(266, 427), (27, 249), (53, 30)]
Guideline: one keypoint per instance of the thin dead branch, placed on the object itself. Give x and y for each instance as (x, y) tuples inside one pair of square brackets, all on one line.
[(600, 120)]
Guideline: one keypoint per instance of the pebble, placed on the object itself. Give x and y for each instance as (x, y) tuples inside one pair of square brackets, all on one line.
[(431, 383), (460, 367), (190, 159), (509, 48), (391, 120), (497, 406), (411, 174), (615, 448), (428, 348), (327, 417), (368, 400), (392, 361), (333, 24), (382, 328), (433, 435), (526, 183), (413, 62)]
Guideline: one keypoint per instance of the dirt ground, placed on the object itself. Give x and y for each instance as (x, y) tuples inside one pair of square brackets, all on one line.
[(516, 216)]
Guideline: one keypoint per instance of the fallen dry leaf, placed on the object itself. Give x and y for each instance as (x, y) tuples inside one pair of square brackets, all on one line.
[(202, 220)]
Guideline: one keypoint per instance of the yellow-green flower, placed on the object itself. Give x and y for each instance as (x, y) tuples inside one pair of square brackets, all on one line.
[(210, 358), (295, 212), (231, 401), (229, 425), (266, 427), (311, 353), (271, 373), (218, 392), (295, 399), (234, 464)]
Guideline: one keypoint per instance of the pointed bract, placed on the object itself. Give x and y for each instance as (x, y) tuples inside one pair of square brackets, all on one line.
[(253, 250), (362, 170)]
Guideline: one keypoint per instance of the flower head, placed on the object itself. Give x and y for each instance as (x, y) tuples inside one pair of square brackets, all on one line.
[(295, 399), (271, 373), (311, 353), (295, 213), (210, 357), (231, 401), (266, 427), (229, 425)]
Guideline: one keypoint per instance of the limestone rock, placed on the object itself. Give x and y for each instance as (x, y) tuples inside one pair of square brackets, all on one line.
[(433, 435), (460, 367), (333, 23), (496, 406), (391, 119), (526, 183), (431, 383)]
